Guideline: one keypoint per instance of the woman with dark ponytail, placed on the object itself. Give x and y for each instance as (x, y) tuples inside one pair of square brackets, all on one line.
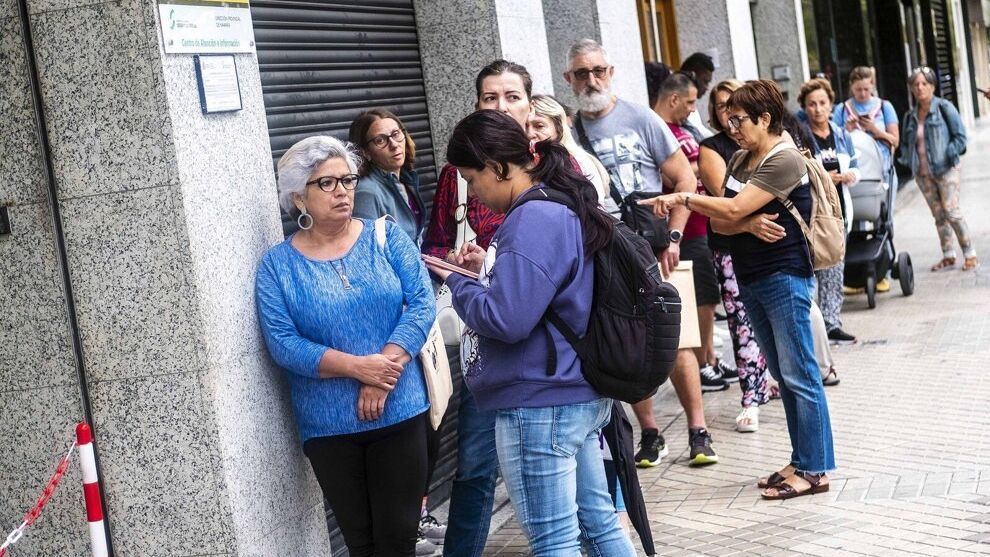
[(547, 421)]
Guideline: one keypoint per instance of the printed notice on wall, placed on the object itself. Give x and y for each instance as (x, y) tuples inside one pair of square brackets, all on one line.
[(218, 88), (206, 26)]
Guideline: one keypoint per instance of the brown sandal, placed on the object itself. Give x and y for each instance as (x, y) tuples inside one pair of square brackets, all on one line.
[(945, 263), (785, 490), (775, 478), (831, 378), (970, 263)]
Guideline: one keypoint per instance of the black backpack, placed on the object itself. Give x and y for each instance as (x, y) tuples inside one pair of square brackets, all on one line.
[(635, 326)]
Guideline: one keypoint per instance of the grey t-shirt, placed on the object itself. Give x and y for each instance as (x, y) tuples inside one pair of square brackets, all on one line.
[(632, 142)]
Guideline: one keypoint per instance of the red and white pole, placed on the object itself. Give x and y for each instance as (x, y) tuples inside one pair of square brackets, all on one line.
[(91, 490)]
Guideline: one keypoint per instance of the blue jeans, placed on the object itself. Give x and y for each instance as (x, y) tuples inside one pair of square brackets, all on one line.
[(473, 491), (780, 311), (552, 466)]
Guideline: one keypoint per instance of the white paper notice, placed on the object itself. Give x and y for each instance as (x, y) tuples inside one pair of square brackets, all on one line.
[(219, 91)]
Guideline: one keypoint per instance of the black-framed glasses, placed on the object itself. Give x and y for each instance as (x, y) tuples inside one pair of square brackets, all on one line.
[(330, 183), (381, 141), (583, 73)]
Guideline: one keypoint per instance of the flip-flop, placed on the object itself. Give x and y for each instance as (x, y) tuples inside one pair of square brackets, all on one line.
[(944, 263), (785, 490), (970, 263), (831, 378)]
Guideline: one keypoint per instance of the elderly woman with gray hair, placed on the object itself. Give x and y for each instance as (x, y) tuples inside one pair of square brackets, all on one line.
[(344, 316)]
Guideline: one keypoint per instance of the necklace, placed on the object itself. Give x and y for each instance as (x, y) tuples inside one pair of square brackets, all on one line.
[(342, 273)]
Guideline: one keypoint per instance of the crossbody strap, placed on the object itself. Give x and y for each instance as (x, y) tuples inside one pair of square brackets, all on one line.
[(586, 145)]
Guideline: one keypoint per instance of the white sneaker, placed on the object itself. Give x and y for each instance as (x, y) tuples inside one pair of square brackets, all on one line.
[(425, 548), (431, 529), (748, 421)]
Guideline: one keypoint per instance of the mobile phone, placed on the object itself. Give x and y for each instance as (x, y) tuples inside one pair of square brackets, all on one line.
[(437, 262)]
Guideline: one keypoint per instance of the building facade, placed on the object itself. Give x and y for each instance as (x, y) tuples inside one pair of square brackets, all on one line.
[(137, 222)]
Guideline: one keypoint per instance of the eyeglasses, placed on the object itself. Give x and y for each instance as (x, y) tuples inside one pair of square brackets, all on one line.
[(583, 73), (721, 107), (330, 183), (380, 141), (735, 122)]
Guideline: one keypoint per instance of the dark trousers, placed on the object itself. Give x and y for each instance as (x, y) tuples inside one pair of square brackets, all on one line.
[(373, 482)]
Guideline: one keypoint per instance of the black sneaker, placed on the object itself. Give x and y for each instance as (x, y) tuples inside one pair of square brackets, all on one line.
[(652, 448), (838, 336), (711, 380), (702, 452), (729, 374)]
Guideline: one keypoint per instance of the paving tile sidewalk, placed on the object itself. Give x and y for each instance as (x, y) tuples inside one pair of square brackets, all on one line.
[(911, 421)]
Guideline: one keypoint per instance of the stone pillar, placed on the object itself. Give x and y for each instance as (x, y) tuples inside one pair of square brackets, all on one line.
[(166, 214), (459, 37), (614, 24), (780, 43), (704, 27), (38, 382)]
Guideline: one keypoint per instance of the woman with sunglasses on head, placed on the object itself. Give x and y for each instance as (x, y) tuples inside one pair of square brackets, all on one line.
[(776, 279), (389, 184), (932, 141), (542, 257), (345, 318)]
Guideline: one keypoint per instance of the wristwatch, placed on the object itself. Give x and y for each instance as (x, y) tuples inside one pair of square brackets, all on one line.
[(675, 236)]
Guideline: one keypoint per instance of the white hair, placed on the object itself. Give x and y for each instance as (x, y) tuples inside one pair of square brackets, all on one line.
[(298, 163), (585, 46)]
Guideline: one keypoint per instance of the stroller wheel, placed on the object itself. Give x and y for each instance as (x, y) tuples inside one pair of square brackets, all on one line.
[(905, 273), (871, 291)]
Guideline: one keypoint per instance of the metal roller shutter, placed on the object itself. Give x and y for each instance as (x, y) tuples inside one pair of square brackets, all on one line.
[(944, 63), (322, 63)]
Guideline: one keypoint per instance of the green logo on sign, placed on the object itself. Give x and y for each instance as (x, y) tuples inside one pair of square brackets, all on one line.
[(171, 19)]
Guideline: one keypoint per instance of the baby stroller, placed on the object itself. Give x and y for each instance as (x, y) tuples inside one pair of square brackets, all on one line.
[(870, 252)]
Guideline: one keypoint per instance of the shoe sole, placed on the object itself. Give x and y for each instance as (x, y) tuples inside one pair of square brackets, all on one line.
[(747, 428), (730, 379), (713, 388), (644, 463), (841, 342), (703, 460)]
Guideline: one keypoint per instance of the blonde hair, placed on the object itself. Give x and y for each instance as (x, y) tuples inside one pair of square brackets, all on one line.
[(548, 107), (726, 86), (862, 72)]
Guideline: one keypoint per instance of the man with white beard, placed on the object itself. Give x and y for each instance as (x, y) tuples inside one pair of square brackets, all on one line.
[(641, 153)]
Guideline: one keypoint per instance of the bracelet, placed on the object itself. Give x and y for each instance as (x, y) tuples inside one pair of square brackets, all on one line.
[(687, 201)]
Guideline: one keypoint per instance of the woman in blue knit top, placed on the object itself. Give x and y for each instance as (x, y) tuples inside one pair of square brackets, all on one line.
[(345, 318)]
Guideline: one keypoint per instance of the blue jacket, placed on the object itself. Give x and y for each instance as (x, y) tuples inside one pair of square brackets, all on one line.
[(378, 195), (945, 138), (536, 260)]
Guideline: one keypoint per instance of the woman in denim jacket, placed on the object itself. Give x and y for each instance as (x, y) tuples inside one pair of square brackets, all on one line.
[(932, 152), (389, 185)]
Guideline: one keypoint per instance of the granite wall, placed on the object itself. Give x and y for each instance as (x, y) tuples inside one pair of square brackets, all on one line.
[(459, 37), (39, 387), (166, 213), (779, 29), (614, 24), (703, 27)]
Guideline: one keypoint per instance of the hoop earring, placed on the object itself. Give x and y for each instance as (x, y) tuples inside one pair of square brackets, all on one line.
[(299, 220)]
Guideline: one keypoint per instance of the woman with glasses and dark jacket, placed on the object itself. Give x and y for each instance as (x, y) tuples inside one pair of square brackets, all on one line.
[(933, 138), (389, 185)]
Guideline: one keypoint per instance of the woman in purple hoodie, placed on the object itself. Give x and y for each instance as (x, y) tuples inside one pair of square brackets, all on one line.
[(547, 421)]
